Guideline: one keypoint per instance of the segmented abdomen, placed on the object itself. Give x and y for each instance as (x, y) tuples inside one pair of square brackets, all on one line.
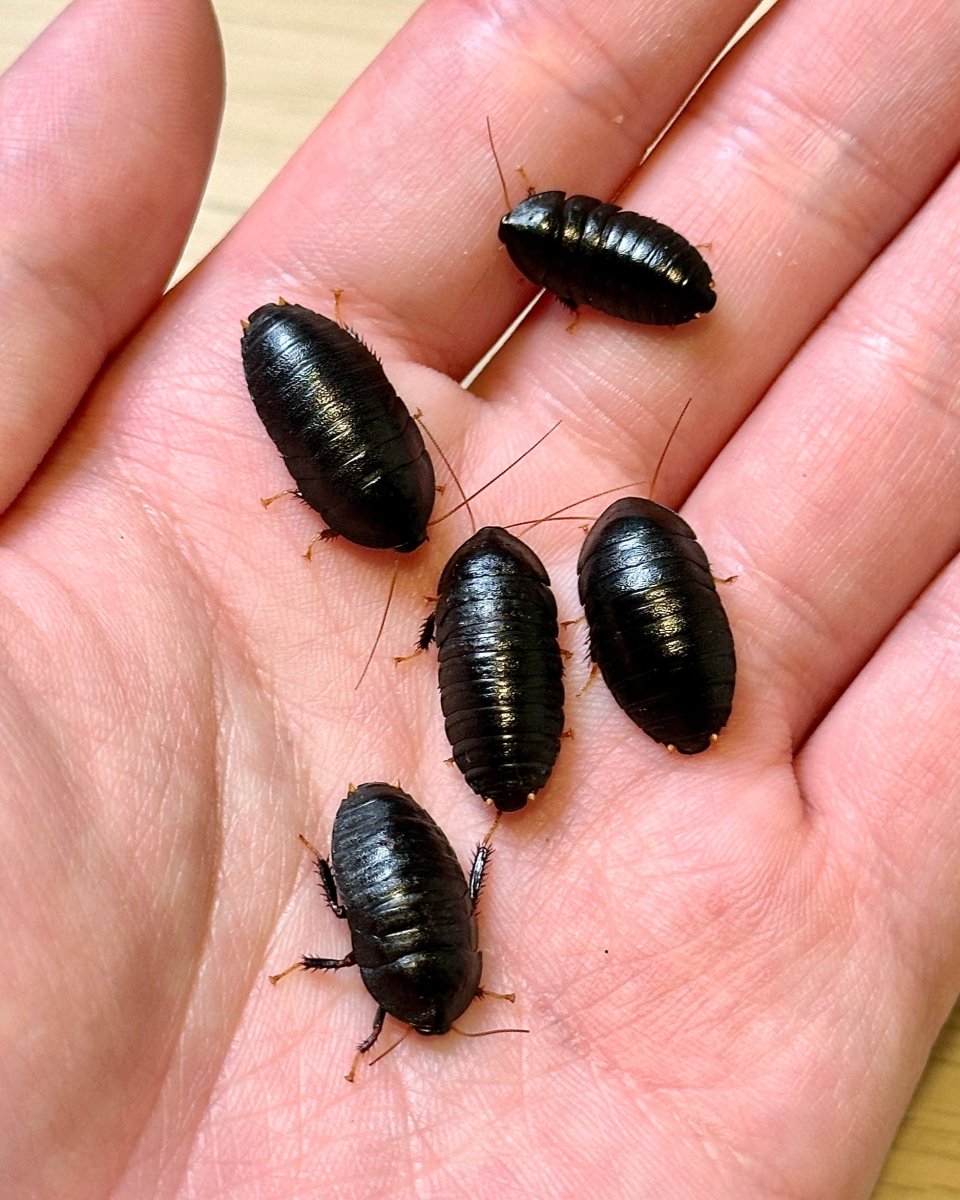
[(407, 905), (658, 631), (501, 674), (348, 440), (619, 262)]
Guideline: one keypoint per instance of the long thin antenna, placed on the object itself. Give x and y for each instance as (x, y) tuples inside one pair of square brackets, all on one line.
[(492, 830), (486, 1032), (508, 467), (555, 515), (418, 417), (663, 452), (383, 621), (402, 1038), (503, 182)]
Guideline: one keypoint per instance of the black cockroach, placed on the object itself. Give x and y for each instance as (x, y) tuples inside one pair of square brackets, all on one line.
[(501, 674), (396, 880), (658, 631), (353, 449), (586, 251)]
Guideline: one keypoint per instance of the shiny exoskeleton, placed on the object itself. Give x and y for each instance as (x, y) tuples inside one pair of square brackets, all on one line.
[(348, 440), (621, 263), (501, 674), (396, 880), (658, 631)]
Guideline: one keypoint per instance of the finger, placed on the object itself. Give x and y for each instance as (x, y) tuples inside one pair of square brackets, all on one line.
[(798, 166), (880, 770), (836, 503), (406, 218), (107, 126)]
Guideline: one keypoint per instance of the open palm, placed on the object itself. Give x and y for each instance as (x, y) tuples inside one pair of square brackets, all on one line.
[(732, 966)]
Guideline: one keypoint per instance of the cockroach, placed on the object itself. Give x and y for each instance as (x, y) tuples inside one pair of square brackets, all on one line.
[(501, 674), (354, 451), (589, 252), (658, 631), (396, 880)]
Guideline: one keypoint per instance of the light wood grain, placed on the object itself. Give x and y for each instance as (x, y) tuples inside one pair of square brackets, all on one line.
[(287, 63)]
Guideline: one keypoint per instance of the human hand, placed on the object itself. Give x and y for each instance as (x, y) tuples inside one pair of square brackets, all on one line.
[(732, 966)]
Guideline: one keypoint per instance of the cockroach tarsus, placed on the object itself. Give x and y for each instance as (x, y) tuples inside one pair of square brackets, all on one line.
[(395, 879), (500, 667)]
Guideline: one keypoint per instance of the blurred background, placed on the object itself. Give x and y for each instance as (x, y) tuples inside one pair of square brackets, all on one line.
[(287, 62)]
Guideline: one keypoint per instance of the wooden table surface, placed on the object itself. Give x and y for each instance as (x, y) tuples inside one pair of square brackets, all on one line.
[(275, 95)]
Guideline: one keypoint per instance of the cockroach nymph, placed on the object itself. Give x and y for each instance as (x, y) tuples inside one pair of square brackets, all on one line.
[(501, 672), (355, 452), (395, 879), (658, 631), (621, 263)]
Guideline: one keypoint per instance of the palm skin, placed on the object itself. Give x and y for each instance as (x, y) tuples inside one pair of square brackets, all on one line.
[(732, 967)]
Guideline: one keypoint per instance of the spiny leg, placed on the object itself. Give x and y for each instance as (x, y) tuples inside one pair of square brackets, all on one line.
[(266, 501), (484, 850), (426, 637), (329, 887), (325, 535), (390, 1049), (484, 994), (308, 963), (367, 1042), (476, 872), (427, 631), (327, 881)]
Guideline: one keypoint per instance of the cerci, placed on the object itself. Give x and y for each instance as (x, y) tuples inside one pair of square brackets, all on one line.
[(501, 674), (658, 631), (351, 445), (412, 914), (589, 252)]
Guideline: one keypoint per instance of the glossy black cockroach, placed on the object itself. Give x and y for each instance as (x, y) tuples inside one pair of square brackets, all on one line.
[(588, 252), (501, 674), (658, 631), (396, 880), (353, 449)]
